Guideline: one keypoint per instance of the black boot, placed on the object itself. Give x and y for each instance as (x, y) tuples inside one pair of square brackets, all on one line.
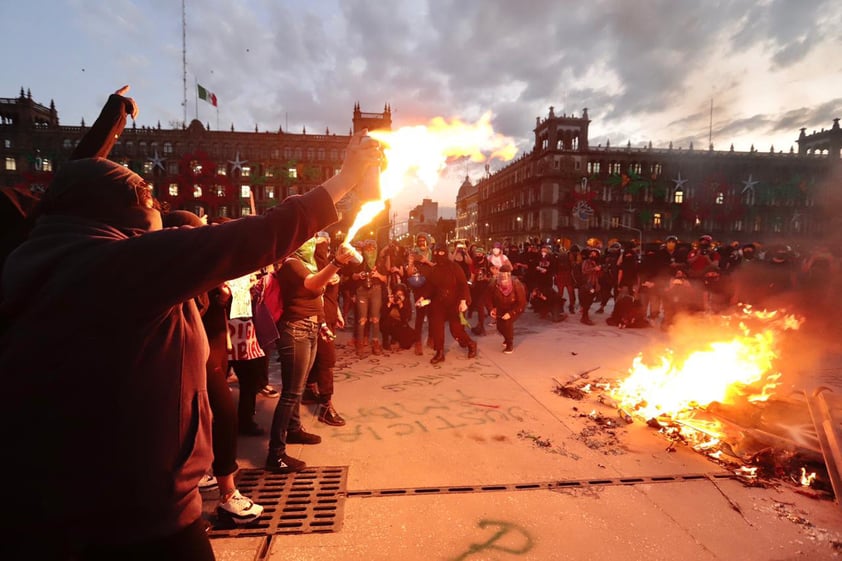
[(437, 358), (472, 349)]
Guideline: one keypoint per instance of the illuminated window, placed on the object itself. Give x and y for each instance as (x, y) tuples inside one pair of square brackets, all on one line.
[(147, 167), (68, 144), (167, 147), (173, 190), (11, 164), (720, 198), (270, 192), (8, 143), (657, 169), (197, 191), (222, 211), (270, 172), (615, 221), (219, 190), (593, 168), (195, 167), (292, 173), (678, 197), (656, 220), (246, 171), (220, 170), (245, 191), (245, 211)]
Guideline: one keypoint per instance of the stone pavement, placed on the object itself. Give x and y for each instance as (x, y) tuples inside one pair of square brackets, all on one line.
[(496, 422)]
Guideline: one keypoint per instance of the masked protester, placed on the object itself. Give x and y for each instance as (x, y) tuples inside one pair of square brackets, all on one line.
[(303, 285), (508, 301), (564, 276), (480, 278), (449, 300), (212, 306), (497, 259), (370, 277), (319, 389), (589, 287), (137, 417), (419, 269)]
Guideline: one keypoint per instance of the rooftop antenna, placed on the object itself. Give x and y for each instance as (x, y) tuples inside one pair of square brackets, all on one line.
[(710, 126), (184, 57)]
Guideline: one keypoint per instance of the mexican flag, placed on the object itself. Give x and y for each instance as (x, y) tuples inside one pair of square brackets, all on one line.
[(207, 95)]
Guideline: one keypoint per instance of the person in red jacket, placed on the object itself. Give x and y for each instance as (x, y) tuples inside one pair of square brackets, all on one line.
[(508, 300), (110, 457)]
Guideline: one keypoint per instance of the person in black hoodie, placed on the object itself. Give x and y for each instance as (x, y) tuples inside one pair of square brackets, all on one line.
[(449, 300), (109, 458)]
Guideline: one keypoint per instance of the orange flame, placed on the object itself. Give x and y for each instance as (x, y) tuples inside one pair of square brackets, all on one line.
[(422, 151), (807, 480), (728, 365)]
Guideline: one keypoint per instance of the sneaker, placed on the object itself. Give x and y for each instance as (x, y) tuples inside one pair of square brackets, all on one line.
[(208, 481), (329, 416), (251, 429), (269, 391), (508, 350), (601, 310), (301, 436), (284, 464), (587, 321), (240, 509), (472, 349)]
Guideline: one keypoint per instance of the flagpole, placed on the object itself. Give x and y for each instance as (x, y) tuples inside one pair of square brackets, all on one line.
[(184, 58), (217, 117), (196, 93)]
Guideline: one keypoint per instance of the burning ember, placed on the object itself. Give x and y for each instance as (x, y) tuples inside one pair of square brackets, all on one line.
[(737, 362), (715, 391), (423, 152)]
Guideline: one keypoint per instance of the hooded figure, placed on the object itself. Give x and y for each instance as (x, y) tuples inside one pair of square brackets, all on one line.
[(121, 437), (449, 300)]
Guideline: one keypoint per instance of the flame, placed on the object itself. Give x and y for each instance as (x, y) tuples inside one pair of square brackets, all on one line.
[(422, 151), (807, 480), (732, 363)]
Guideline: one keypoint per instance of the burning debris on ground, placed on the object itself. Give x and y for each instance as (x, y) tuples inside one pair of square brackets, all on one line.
[(719, 393)]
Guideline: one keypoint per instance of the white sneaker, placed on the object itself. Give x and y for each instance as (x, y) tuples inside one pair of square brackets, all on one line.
[(240, 509), (208, 481)]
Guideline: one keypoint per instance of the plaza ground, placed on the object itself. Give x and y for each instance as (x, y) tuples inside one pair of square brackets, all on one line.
[(496, 441)]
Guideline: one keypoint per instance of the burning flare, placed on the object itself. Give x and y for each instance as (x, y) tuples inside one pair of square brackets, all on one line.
[(731, 364), (423, 151)]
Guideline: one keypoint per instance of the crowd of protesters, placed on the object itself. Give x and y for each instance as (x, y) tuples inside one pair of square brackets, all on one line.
[(629, 284)]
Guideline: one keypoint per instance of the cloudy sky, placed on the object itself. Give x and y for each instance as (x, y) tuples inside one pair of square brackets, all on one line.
[(646, 70)]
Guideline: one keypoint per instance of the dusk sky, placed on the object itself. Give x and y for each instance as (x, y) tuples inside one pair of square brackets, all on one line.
[(646, 70)]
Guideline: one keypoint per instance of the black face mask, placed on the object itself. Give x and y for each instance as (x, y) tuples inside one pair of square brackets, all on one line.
[(439, 257)]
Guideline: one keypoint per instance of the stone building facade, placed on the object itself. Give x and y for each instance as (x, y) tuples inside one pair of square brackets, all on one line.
[(565, 190)]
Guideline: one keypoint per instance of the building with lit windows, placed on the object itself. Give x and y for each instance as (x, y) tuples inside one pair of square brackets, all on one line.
[(566, 190), (217, 173)]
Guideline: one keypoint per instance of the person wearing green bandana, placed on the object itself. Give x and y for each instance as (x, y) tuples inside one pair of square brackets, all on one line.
[(369, 283), (302, 283)]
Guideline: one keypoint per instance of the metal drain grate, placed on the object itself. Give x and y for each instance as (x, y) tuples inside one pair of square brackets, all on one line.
[(547, 485), (309, 501)]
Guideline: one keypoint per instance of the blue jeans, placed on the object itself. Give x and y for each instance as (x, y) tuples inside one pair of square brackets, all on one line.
[(297, 349)]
